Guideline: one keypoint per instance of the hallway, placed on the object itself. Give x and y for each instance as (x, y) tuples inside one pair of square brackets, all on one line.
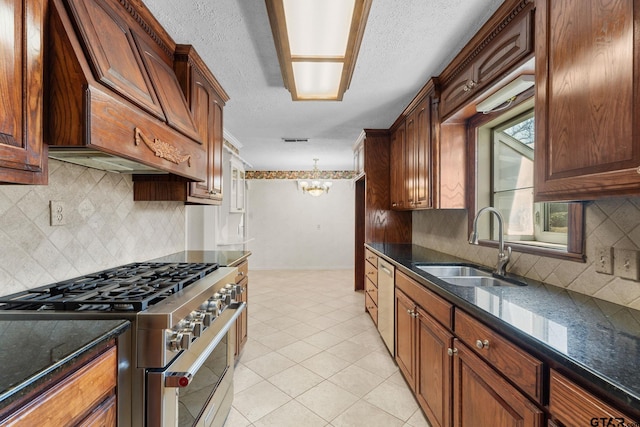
[(315, 358)]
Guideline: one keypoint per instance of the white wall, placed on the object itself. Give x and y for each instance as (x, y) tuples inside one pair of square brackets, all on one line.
[(292, 230)]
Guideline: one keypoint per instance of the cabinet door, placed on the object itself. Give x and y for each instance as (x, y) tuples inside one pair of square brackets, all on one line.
[(23, 157), (201, 105), (482, 398), (411, 155), (433, 370), (406, 337), (587, 87), (215, 151), (116, 62), (397, 184), (422, 153)]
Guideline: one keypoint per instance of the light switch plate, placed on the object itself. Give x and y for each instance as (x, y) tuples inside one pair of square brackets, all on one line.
[(625, 263), (604, 260)]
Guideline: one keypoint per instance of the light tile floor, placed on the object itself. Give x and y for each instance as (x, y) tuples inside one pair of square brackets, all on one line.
[(315, 358)]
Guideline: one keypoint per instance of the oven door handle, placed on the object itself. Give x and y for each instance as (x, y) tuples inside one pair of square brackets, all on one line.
[(182, 377)]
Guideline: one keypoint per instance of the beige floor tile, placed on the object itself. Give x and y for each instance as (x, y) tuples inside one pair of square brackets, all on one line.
[(327, 400), (325, 364), (276, 340), (345, 330), (302, 330), (259, 400), (349, 351), (292, 414), (322, 322), (299, 351), (323, 340), (394, 399), (260, 329), (236, 419), (253, 349), (243, 378), (356, 380), (379, 363), (364, 414), (295, 380), (281, 322), (417, 420), (269, 364)]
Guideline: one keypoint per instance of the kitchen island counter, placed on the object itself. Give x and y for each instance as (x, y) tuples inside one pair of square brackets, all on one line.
[(596, 341), (33, 352)]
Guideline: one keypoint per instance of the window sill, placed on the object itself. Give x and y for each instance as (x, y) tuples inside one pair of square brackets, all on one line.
[(537, 250)]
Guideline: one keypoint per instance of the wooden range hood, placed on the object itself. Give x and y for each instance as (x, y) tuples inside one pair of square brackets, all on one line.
[(112, 99)]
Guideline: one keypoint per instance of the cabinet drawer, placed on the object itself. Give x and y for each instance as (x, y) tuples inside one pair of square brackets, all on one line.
[(371, 257), (371, 290), (74, 397), (371, 308), (518, 366), (437, 307), (371, 272), (243, 271), (572, 405)]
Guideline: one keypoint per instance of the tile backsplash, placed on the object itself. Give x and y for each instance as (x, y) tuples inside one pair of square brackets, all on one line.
[(611, 222), (104, 227)]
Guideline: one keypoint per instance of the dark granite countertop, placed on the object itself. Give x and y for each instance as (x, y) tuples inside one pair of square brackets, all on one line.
[(595, 340), (223, 258), (34, 351)]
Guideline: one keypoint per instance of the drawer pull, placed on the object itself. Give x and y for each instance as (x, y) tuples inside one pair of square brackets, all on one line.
[(482, 344), (452, 351)]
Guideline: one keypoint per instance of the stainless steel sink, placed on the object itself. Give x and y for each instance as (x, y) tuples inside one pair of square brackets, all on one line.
[(443, 271), (463, 275), (478, 281)]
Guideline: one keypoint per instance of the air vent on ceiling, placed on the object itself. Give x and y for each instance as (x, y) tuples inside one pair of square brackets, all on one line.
[(296, 140)]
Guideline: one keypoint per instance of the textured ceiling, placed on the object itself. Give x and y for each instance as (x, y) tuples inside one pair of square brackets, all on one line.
[(405, 42)]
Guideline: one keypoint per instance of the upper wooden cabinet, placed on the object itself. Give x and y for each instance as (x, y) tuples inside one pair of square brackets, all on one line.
[(206, 99), (506, 44), (412, 162), (587, 100), (113, 100), (23, 157)]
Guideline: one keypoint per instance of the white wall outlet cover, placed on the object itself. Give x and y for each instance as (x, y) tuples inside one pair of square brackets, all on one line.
[(625, 263), (604, 260)]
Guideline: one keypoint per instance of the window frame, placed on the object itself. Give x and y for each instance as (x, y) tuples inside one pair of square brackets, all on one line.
[(575, 234)]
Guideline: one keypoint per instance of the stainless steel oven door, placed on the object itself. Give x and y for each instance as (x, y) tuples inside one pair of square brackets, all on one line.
[(196, 389)]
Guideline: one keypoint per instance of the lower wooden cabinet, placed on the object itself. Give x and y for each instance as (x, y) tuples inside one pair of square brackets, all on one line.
[(422, 354), (433, 369), (481, 397), (571, 405), (406, 337), (84, 397), (242, 334)]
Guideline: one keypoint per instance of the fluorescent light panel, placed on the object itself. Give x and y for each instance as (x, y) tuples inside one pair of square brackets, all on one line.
[(317, 43)]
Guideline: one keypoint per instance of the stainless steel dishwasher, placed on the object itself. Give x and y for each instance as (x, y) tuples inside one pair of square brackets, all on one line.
[(386, 304)]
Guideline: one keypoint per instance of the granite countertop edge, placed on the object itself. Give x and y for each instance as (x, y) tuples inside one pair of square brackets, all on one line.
[(607, 386), (222, 258), (42, 376)]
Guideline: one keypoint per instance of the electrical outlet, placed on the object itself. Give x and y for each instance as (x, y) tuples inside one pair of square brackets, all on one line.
[(604, 260), (625, 263), (57, 212)]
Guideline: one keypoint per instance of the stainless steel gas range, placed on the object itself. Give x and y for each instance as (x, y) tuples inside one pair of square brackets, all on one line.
[(176, 362)]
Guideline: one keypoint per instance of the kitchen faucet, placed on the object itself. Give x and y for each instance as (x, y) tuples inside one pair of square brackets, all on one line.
[(503, 257)]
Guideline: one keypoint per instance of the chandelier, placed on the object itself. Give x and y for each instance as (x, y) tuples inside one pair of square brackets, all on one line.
[(315, 188)]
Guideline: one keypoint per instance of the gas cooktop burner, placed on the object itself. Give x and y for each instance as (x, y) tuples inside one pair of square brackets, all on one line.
[(132, 287)]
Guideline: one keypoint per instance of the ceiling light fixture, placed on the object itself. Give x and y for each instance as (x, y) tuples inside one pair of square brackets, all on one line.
[(315, 188), (317, 42)]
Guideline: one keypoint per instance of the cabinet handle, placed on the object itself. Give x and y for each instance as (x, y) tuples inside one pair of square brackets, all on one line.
[(482, 344), (452, 351)]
